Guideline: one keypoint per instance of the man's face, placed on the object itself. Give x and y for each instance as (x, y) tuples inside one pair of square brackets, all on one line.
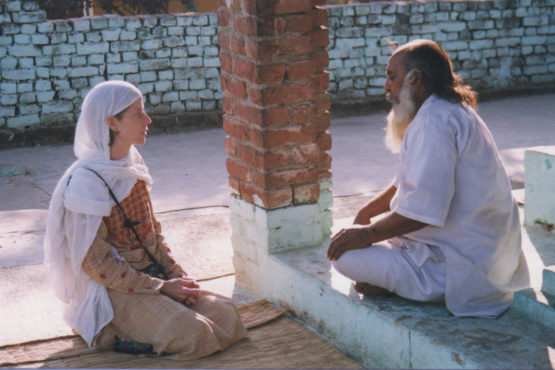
[(395, 76)]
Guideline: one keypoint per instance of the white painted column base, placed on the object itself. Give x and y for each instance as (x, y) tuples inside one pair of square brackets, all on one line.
[(257, 233)]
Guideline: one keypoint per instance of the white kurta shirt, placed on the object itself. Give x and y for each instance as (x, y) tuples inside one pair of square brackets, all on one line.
[(451, 177)]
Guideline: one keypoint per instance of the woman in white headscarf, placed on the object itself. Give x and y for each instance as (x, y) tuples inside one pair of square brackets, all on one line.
[(104, 244)]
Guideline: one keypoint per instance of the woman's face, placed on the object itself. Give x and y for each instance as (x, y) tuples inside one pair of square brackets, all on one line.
[(132, 127)]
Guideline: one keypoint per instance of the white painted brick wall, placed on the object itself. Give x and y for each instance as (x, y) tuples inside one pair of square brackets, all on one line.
[(497, 34), (503, 43), (82, 52)]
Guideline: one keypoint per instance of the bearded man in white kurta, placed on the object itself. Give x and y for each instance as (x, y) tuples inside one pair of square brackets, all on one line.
[(450, 230)]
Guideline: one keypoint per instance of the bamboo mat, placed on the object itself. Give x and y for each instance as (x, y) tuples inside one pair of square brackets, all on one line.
[(33, 333), (30, 310), (274, 341), (253, 315)]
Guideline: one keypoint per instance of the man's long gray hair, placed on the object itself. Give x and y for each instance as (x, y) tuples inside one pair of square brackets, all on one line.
[(437, 71)]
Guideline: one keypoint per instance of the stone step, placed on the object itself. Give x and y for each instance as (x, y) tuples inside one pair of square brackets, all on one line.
[(535, 305), (396, 333), (548, 285)]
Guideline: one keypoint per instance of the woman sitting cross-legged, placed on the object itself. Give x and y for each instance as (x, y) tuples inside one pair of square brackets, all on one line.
[(109, 262)]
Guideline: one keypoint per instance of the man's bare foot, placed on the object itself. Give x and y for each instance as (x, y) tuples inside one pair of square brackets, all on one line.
[(370, 290)]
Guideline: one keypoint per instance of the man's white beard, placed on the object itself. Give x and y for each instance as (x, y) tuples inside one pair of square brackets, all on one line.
[(399, 117)]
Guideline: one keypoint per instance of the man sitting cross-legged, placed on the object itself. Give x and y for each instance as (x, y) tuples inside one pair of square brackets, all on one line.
[(450, 230)]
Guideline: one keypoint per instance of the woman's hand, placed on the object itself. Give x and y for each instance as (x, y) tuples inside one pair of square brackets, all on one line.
[(183, 289), (188, 282)]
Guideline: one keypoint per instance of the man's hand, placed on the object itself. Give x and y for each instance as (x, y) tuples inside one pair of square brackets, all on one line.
[(182, 289), (361, 237), (346, 240)]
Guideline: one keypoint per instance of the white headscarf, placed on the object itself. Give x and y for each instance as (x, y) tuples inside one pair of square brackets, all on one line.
[(81, 199)]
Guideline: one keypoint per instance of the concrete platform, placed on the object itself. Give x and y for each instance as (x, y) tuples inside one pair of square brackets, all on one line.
[(396, 333), (391, 332), (189, 168), (189, 173)]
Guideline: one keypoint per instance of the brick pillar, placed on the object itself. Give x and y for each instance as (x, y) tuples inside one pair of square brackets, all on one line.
[(276, 112)]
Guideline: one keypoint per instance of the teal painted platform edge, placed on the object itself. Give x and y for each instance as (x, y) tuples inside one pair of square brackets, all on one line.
[(396, 333), (535, 305), (548, 284)]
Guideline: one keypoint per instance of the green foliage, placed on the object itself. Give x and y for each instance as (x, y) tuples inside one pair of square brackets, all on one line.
[(352, 1), (61, 9), (122, 7)]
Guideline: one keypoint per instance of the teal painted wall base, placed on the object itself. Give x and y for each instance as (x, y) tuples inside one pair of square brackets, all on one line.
[(538, 303), (539, 178)]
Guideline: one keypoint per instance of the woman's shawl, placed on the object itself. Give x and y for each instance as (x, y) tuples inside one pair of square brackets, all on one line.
[(79, 202)]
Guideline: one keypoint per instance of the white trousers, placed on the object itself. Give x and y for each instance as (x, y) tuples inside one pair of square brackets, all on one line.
[(409, 269)]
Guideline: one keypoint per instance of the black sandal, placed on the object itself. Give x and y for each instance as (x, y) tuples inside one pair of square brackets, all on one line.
[(134, 348)]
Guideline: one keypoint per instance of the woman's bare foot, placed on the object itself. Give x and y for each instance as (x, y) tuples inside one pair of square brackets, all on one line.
[(370, 290)]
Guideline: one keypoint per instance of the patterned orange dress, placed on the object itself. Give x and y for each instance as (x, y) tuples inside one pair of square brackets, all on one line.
[(141, 312)]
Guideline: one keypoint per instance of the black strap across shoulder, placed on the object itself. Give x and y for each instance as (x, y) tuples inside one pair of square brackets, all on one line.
[(126, 221)]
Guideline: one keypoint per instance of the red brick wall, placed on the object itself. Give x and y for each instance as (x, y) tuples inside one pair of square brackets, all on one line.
[(275, 101)]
